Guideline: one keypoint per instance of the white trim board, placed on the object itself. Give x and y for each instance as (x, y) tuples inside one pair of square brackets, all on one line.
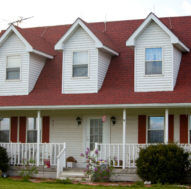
[(151, 17), (59, 45), (98, 106), (29, 48)]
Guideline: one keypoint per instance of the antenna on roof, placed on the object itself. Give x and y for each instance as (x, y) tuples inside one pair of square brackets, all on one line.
[(19, 21), (105, 22)]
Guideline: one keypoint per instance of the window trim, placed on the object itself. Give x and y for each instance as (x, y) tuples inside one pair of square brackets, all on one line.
[(13, 80), (9, 130), (147, 126), (154, 75), (83, 77)]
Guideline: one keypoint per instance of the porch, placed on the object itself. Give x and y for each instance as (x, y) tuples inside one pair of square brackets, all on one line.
[(60, 135)]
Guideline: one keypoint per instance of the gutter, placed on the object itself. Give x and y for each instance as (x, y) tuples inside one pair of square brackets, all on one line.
[(105, 106)]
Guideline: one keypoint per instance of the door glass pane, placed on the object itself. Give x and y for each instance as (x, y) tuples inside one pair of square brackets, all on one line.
[(96, 132)]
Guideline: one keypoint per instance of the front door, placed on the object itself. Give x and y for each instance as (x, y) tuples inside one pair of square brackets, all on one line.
[(97, 132)]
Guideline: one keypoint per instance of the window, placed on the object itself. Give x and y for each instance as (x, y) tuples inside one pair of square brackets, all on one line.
[(153, 61), (80, 64), (155, 129), (13, 67), (96, 132), (31, 130), (4, 130), (190, 130)]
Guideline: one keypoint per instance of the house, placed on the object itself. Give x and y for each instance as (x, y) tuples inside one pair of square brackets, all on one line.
[(115, 86)]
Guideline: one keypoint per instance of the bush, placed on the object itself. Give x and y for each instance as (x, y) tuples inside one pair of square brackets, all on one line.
[(4, 160), (162, 163)]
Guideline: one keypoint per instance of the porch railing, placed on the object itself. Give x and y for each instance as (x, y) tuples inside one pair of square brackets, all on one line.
[(61, 160), (113, 153), (19, 153)]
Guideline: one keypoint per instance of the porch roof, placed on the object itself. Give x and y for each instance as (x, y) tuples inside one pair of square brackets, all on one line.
[(118, 86)]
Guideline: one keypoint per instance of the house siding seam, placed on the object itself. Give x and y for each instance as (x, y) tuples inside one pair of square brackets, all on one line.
[(103, 64), (141, 129), (153, 36), (36, 64), (14, 126), (177, 56), (45, 129), (184, 129), (171, 128), (79, 41), (22, 129), (13, 46)]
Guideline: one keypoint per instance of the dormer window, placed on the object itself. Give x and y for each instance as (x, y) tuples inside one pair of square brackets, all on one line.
[(153, 61), (13, 67), (80, 64)]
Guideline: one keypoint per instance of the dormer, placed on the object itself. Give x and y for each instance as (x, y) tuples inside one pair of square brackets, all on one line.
[(157, 56), (21, 61), (86, 57)]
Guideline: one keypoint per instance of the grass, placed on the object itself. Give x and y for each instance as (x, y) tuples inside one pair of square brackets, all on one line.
[(15, 184)]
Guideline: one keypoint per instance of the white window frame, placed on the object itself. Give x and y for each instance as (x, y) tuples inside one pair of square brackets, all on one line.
[(162, 59), (10, 80), (83, 77), (9, 128), (147, 127), (32, 129)]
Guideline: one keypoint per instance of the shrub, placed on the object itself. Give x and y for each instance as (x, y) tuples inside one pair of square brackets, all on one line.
[(98, 170), (4, 160), (28, 170), (162, 163)]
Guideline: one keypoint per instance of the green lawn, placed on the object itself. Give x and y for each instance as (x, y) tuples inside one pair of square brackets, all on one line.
[(12, 184)]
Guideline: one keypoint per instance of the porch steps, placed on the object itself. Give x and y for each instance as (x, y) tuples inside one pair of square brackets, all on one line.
[(76, 174)]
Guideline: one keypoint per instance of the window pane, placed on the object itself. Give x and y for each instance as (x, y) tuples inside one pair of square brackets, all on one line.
[(156, 123), (156, 136), (31, 123), (80, 70), (80, 57), (153, 54), (13, 61), (32, 136), (96, 132), (153, 68), (4, 136), (5, 124), (13, 73)]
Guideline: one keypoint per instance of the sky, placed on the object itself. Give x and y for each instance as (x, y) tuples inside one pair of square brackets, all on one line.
[(59, 12)]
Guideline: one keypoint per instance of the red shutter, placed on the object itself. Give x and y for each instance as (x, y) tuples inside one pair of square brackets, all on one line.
[(22, 130), (14, 122), (45, 129), (142, 129), (184, 129), (171, 128)]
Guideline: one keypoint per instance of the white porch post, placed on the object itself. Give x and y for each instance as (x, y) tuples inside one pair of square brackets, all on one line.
[(166, 127), (38, 138), (124, 137)]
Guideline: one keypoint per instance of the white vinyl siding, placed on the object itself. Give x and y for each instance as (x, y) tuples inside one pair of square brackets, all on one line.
[(66, 129), (35, 67), (11, 47), (103, 64), (177, 56), (79, 41), (153, 37)]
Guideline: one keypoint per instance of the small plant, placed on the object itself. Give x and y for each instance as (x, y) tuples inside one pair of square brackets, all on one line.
[(29, 170), (4, 160), (64, 181), (98, 170), (163, 164)]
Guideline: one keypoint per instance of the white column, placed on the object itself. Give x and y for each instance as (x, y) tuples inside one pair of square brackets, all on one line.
[(38, 138), (166, 127), (124, 137)]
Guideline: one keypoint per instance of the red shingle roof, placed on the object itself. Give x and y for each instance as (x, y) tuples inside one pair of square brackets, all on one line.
[(118, 86)]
